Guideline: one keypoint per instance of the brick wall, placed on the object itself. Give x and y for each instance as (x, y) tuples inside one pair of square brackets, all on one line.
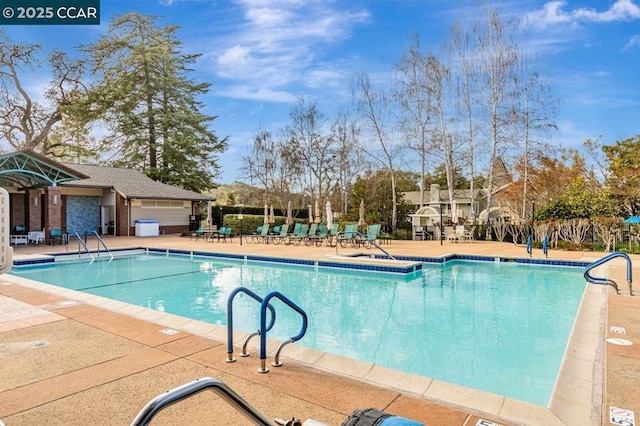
[(18, 211), (174, 229), (53, 210), (122, 217), (34, 210)]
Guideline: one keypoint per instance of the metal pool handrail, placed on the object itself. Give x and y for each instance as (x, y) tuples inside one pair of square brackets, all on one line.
[(233, 294), (263, 329), (189, 389), (85, 247), (606, 281), (100, 241), (363, 237)]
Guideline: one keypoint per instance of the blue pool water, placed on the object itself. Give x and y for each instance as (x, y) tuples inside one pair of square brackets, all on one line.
[(498, 327)]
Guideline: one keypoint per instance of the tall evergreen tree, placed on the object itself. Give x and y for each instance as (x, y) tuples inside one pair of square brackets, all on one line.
[(144, 96)]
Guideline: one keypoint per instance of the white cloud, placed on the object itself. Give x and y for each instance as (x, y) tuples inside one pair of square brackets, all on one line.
[(633, 43), (550, 14), (553, 13), (257, 94), (621, 10), (278, 44)]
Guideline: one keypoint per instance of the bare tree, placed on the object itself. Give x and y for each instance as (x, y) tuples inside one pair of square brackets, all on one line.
[(464, 74), (535, 109), (311, 150), (24, 122), (261, 164), (496, 55), (413, 94), (374, 107), (346, 135), (446, 143)]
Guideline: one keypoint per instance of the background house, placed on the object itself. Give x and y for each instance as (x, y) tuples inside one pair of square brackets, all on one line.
[(465, 207), (45, 194)]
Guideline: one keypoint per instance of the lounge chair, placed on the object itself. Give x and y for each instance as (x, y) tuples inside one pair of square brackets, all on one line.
[(263, 237), (296, 228), (348, 236), (282, 236), (372, 235), (301, 236), (253, 238), (313, 230), (331, 237), (319, 237)]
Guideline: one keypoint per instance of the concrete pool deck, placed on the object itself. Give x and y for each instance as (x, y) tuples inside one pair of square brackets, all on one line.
[(69, 358)]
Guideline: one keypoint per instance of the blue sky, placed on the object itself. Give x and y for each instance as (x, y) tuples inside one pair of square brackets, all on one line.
[(260, 55)]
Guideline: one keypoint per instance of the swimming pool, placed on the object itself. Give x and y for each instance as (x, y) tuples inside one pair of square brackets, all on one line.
[(498, 327)]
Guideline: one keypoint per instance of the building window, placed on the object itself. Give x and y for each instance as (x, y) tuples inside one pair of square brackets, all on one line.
[(162, 204)]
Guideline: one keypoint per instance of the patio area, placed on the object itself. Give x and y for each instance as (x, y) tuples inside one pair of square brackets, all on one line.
[(77, 360)]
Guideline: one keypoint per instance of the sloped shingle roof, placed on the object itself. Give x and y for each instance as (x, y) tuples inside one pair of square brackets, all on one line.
[(131, 183)]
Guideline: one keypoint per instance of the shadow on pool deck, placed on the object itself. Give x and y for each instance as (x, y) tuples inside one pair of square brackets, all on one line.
[(70, 362)]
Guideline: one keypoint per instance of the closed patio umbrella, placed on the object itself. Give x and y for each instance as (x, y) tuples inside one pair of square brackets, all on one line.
[(289, 220), (310, 213), (329, 215), (272, 218), (266, 214), (361, 221), (318, 214)]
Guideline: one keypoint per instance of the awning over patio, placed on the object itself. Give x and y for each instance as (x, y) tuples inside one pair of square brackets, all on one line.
[(29, 170)]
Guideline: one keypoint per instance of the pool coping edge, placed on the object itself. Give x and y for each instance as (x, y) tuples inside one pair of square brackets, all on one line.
[(561, 410)]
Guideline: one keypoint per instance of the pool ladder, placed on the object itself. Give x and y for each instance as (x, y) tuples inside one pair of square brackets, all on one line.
[(84, 244), (606, 281), (264, 327)]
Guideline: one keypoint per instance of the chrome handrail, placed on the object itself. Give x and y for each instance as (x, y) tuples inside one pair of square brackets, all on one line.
[(233, 294), (83, 245), (606, 281), (263, 329), (362, 237), (100, 241), (179, 393)]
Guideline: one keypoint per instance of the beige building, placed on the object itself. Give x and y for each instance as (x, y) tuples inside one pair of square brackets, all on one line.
[(465, 208), (78, 198)]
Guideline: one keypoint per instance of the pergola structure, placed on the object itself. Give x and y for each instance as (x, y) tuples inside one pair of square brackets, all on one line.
[(29, 170), (34, 173)]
